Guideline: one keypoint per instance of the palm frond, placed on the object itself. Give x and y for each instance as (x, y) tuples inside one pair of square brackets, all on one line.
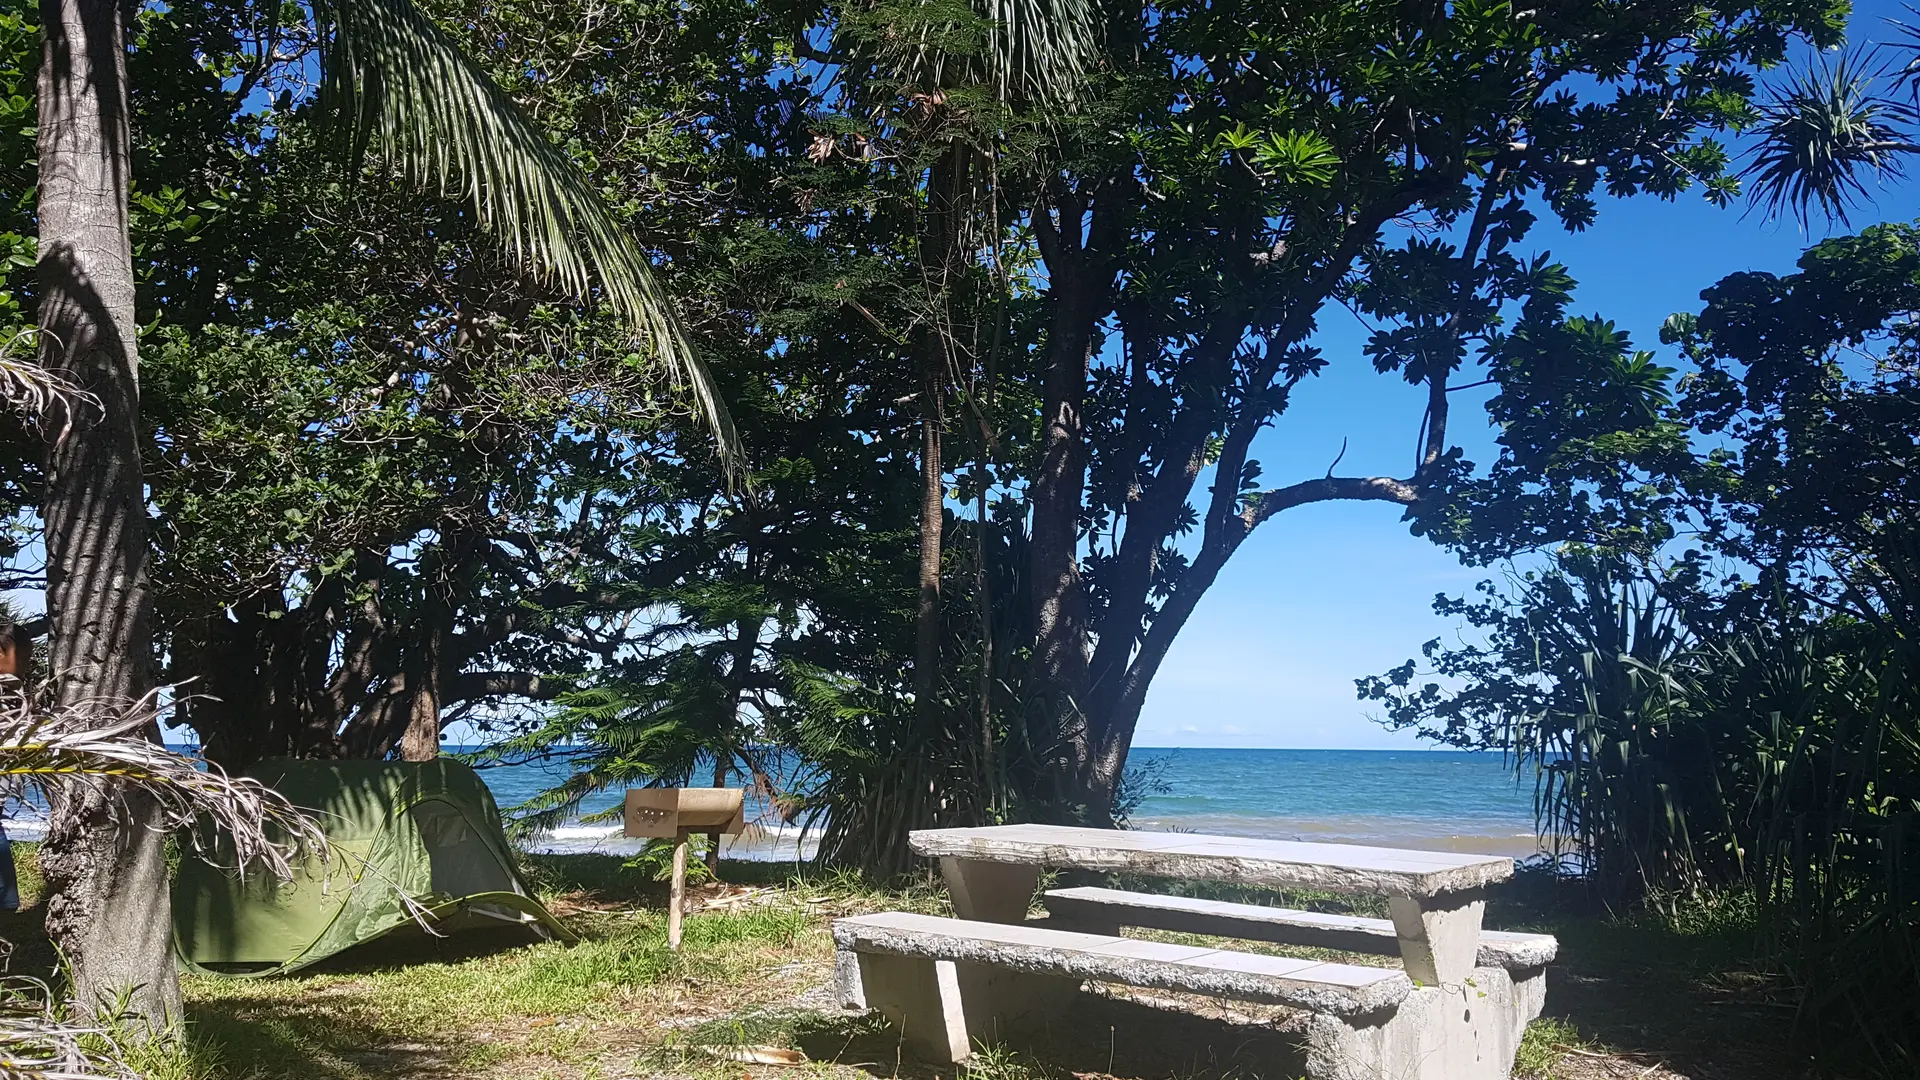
[(390, 74), (1041, 49), (1906, 73), (1034, 51), (1819, 136), (36, 392), (38, 1041), (59, 749)]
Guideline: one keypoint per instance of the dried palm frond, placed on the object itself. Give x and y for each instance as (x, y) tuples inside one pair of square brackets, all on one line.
[(59, 749), (38, 1042), (34, 390)]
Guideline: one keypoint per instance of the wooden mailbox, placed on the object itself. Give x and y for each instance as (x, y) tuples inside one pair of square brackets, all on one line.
[(662, 813)]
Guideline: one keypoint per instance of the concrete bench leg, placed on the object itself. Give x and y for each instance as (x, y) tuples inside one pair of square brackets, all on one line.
[(1466, 1031), (1439, 937), (922, 998), (990, 891), (944, 1009)]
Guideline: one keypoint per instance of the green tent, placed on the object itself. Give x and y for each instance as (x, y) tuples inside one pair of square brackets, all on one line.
[(408, 841)]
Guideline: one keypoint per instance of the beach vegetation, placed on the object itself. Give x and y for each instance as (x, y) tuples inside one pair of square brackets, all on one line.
[(1731, 728), (856, 403)]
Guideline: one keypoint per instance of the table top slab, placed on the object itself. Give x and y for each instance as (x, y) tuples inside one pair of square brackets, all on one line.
[(1345, 868)]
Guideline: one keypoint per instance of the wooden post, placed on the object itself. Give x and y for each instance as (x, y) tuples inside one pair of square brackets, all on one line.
[(678, 813), (677, 906)]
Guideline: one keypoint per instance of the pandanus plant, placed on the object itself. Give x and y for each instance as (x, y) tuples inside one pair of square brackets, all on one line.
[(1834, 125)]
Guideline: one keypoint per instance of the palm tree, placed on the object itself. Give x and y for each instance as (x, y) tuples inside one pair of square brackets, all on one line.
[(395, 82), (1035, 53)]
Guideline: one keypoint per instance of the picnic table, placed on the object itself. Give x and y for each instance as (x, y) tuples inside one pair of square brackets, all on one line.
[(1437, 899), (1454, 1010)]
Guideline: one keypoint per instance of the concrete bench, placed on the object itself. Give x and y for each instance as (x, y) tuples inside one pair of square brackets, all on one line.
[(949, 984), (1105, 911)]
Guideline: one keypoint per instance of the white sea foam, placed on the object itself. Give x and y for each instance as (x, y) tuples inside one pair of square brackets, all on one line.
[(760, 843), (27, 829)]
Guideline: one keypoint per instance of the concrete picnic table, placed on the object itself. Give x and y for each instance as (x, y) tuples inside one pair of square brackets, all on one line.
[(1437, 899)]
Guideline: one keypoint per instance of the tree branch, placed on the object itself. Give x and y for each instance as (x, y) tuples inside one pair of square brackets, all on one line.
[(1264, 505), (526, 684)]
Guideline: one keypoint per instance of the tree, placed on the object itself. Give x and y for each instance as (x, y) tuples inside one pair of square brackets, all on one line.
[(942, 82), (392, 76), (1739, 716), (1267, 168)]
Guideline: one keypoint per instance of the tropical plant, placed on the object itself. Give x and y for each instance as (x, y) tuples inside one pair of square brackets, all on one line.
[(1697, 732), (1829, 128), (948, 84), (1575, 683)]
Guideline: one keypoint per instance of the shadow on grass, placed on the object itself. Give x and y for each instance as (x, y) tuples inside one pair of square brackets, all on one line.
[(1686, 992), (1098, 1037), (272, 1035)]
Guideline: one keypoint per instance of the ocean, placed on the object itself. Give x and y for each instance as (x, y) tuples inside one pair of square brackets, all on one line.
[(1428, 799)]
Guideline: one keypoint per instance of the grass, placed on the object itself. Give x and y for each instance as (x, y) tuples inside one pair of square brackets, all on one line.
[(1643, 996), (1547, 1043)]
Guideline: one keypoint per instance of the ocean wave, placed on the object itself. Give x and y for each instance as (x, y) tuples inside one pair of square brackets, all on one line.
[(759, 843), (27, 829)]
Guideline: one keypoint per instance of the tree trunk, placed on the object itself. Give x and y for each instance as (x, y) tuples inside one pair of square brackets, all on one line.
[(933, 489), (715, 837), (1059, 595), (983, 608), (421, 741), (107, 909), (941, 242), (1080, 277)]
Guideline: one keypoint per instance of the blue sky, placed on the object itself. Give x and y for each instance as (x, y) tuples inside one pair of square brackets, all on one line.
[(1322, 595)]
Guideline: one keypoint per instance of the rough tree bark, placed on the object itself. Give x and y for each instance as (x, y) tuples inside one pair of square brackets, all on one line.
[(107, 908), (926, 653), (1081, 281), (421, 739)]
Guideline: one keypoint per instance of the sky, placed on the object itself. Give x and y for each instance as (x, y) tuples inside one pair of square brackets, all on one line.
[(1324, 594)]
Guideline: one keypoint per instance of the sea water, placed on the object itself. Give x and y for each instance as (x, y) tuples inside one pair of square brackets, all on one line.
[(1429, 799)]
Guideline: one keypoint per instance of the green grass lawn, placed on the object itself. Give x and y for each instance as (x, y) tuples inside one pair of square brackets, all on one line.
[(1631, 998)]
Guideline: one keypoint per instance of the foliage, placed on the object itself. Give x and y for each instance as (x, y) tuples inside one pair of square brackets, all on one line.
[(1210, 214), (1834, 124), (1695, 731), (388, 70), (1575, 680)]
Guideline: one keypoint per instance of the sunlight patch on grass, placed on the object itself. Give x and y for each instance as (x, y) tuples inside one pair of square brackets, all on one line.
[(1544, 1046), (376, 1021)]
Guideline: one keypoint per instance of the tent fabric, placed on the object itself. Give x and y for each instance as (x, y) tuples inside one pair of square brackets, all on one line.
[(407, 842)]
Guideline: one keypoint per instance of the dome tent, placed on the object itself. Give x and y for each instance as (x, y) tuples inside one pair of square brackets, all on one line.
[(405, 839)]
